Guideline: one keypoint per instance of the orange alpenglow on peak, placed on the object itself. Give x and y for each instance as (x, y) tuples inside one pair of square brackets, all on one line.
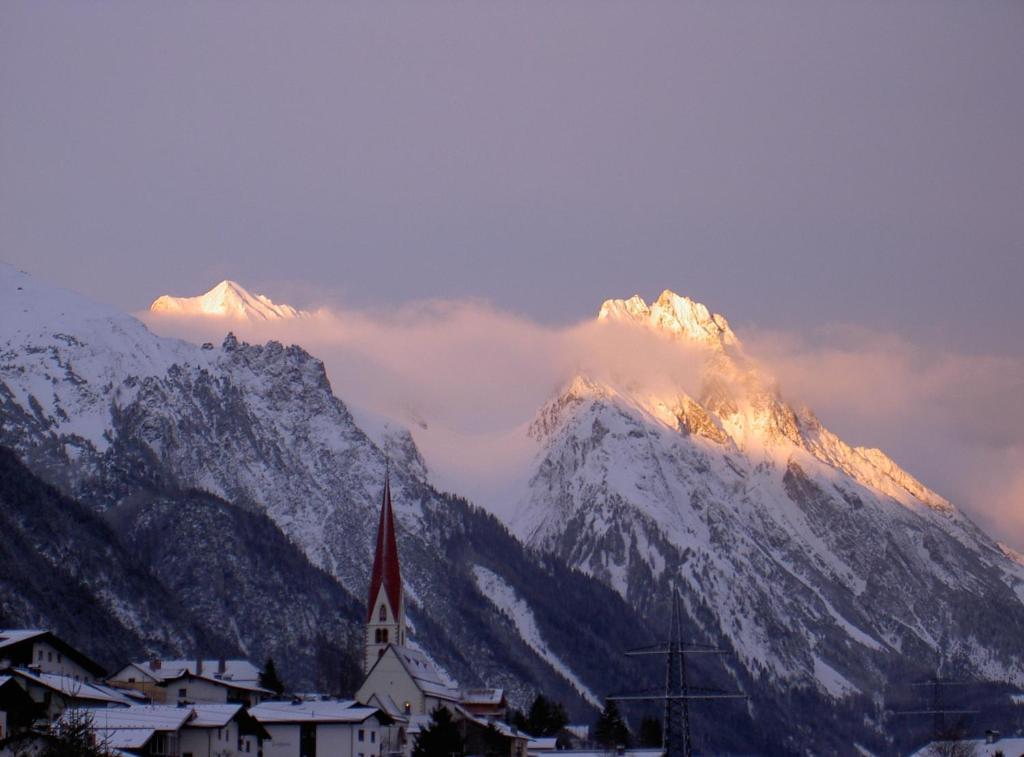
[(386, 572)]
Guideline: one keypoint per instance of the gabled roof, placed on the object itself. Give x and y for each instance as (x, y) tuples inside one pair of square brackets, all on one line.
[(11, 638), (345, 711), (227, 683), (219, 715), (424, 674), (483, 696), (386, 572), (14, 636), (241, 671), (69, 688), (213, 715), (155, 717), (133, 727)]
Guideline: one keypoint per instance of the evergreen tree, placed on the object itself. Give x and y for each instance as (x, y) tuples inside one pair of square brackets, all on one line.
[(517, 719), (611, 730), (546, 718), (269, 678), (439, 739), (650, 732), (73, 736)]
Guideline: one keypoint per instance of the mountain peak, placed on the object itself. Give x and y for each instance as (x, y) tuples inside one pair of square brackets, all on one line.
[(228, 299), (674, 314)]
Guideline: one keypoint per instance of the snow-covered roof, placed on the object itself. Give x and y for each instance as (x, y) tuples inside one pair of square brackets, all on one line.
[(1010, 746), (14, 636), (543, 744), (345, 711), (159, 717), (132, 727), (386, 703), (226, 682), (73, 689), (424, 673), (483, 696), (213, 715), (10, 637), (236, 671), (124, 738)]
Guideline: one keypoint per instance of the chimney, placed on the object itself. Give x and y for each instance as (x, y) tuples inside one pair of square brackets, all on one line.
[(199, 666), (154, 664), (222, 666)]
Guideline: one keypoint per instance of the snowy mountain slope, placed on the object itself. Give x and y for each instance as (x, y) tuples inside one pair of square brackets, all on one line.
[(228, 300), (61, 567), (823, 562), (96, 404)]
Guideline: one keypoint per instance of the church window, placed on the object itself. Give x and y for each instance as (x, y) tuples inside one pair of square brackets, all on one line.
[(383, 614), (384, 636)]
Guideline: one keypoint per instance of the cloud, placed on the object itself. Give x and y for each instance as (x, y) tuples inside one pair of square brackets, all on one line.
[(954, 420), (474, 375)]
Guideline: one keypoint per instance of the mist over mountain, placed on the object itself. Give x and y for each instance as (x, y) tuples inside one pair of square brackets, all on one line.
[(659, 456)]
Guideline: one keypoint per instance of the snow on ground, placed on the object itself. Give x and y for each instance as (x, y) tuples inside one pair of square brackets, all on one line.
[(505, 599), (832, 680)]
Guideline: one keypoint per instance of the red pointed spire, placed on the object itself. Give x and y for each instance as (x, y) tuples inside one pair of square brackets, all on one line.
[(385, 562)]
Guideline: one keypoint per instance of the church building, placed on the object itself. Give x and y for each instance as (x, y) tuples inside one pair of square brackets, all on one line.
[(402, 680)]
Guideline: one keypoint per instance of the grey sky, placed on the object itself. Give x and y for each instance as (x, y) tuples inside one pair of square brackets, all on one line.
[(789, 163)]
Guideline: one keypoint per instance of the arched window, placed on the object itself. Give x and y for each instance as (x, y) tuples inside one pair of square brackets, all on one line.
[(383, 636), (383, 614), (376, 636)]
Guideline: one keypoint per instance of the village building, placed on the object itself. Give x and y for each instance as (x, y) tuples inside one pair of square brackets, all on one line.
[(222, 730), (47, 653), (403, 681), (189, 681), (17, 710), (54, 693), (209, 730), (336, 728)]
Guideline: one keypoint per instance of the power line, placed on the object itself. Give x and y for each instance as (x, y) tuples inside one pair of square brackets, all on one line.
[(678, 693)]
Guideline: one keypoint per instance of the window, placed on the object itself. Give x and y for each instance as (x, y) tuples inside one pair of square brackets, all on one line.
[(383, 614), (40, 655), (361, 735), (131, 680), (59, 657), (373, 737), (182, 693), (384, 636), (49, 656)]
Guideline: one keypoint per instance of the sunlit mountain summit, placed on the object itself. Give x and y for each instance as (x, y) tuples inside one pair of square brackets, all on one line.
[(228, 299)]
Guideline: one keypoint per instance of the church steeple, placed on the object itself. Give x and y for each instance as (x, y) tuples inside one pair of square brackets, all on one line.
[(385, 607)]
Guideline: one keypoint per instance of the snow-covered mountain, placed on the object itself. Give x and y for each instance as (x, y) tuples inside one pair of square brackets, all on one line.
[(228, 300), (828, 569), (822, 562), (114, 415)]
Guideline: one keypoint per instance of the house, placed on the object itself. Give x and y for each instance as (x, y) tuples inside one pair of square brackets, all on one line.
[(403, 681), (53, 693), (485, 702), (210, 730), (222, 730), (17, 710), (198, 680), (142, 729), (328, 728), (991, 746), (47, 653)]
